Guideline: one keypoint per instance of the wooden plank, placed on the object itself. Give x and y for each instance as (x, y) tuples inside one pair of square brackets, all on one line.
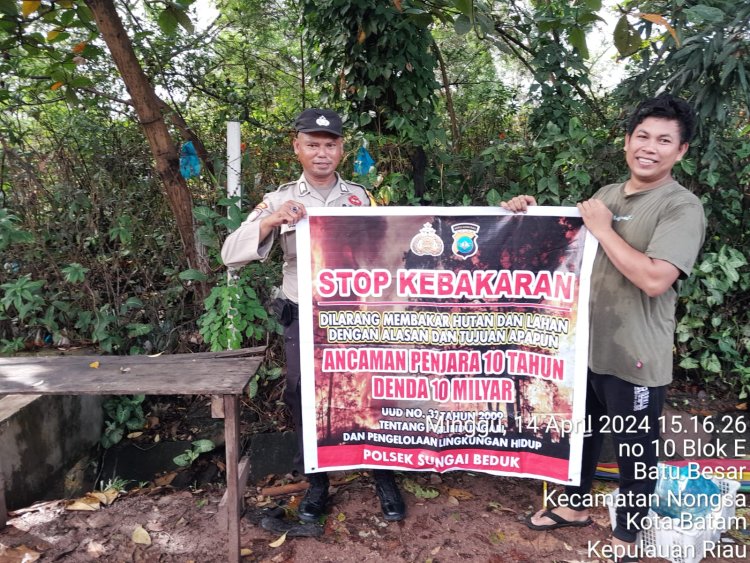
[(244, 473), (217, 406), (166, 358), (125, 375), (3, 507), (234, 498)]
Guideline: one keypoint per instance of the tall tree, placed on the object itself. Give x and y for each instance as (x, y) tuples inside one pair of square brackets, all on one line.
[(379, 60), (43, 47), (149, 109)]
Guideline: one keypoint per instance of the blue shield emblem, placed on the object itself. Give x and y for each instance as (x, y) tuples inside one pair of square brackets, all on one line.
[(465, 240)]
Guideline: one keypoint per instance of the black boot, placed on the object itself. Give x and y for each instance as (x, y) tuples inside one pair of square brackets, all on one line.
[(390, 498), (313, 505)]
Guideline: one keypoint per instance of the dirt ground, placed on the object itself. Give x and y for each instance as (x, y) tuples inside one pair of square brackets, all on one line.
[(455, 516), (474, 517)]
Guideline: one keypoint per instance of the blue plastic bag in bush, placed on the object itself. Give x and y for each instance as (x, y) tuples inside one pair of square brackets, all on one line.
[(363, 162), (678, 493), (190, 164)]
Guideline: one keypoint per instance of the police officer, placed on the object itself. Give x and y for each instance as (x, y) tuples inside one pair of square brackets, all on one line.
[(319, 147)]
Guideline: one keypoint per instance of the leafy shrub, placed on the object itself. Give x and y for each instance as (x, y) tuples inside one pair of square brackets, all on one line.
[(123, 413), (235, 314)]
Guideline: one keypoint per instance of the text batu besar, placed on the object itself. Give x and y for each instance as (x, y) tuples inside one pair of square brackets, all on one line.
[(477, 284)]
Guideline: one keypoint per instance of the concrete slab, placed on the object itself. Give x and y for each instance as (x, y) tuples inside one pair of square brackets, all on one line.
[(40, 438), (272, 454)]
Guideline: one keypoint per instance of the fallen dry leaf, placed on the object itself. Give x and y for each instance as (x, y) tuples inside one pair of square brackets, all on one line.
[(245, 552), (741, 407), (279, 542), (460, 494), (95, 549), (110, 495), (105, 497), (85, 504), (141, 536), (19, 554), (100, 497), (94, 365), (134, 435), (165, 479)]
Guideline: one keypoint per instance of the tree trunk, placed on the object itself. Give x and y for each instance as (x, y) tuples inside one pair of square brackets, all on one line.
[(148, 108), (448, 97), (419, 165)]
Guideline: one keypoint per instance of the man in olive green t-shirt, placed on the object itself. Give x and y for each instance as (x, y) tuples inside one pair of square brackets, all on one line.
[(650, 230)]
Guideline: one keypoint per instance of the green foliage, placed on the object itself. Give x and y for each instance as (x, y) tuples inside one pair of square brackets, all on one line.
[(81, 205), (706, 57), (418, 490), (233, 313), (123, 412), (199, 446), (378, 59), (22, 297), (10, 232), (560, 167), (115, 484), (713, 335), (74, 273), (175, 14), (264, 375)]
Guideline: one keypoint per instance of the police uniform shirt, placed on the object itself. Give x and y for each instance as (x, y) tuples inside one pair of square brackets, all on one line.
[(243, 246)]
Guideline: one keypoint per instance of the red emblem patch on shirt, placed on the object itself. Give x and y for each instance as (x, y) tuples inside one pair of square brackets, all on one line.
[(354, 200)]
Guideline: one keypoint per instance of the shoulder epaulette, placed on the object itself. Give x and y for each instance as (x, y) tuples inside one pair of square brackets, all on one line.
[(286, 186), (355, 184)]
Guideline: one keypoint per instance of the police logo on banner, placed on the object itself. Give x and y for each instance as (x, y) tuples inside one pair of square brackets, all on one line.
[(465, 240), (426, 242)]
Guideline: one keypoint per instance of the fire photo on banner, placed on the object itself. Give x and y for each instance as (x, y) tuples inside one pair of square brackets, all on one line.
[(439, 339)]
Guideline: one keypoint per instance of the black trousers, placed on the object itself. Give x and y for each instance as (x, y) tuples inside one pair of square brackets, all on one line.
[(631, 414), (293, 393)]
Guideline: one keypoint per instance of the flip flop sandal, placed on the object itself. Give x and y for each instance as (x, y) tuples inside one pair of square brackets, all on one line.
[(558, 522)]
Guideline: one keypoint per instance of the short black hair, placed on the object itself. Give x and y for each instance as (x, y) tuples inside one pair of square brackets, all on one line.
[(666, 106)]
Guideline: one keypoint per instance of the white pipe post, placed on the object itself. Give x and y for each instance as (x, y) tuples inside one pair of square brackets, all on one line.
[(234, 189), (234, 160)]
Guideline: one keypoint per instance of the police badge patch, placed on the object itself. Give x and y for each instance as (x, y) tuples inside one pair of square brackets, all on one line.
[(465, 240), (257, 211), (427, 242)]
